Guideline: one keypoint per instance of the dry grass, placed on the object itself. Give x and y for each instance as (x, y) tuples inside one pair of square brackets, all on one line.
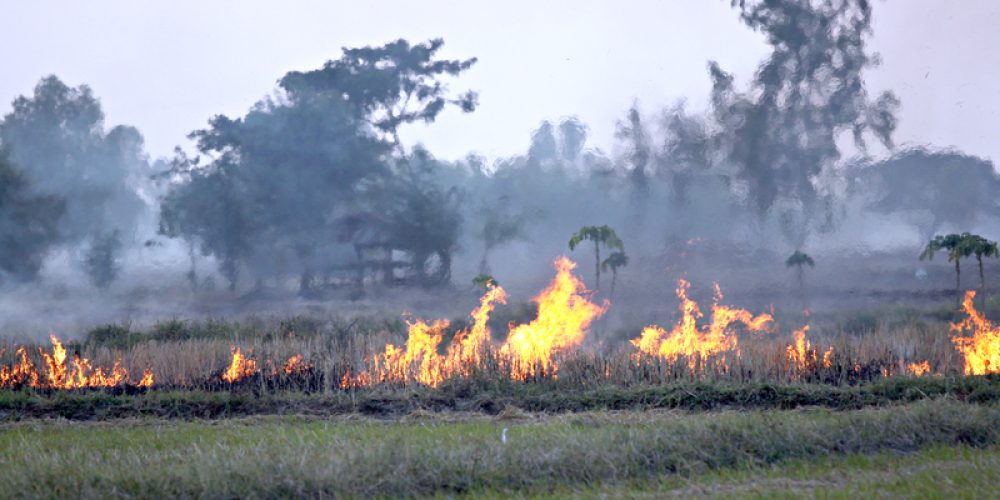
[(193, 354)]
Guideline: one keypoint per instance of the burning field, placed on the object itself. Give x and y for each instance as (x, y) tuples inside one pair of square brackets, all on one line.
[(725, 343), (546, 404)]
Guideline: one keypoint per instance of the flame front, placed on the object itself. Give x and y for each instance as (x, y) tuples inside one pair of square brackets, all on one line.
[(564, 315), (919, 369), (694, 343), (240, 367), (295, 364), (982, 350), (77, 373), (420, 360), (803, 357)]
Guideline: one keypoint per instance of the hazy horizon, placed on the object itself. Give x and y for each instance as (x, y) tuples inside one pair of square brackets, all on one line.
[(167, 68)]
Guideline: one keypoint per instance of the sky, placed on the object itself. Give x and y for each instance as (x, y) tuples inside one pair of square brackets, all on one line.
[(167, 67)]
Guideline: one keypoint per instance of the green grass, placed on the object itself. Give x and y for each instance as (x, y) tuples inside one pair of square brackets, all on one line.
[(491, 398), (428, 453), (936, 472)]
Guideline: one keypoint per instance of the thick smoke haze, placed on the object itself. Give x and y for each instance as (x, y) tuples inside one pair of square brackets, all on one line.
[(165, 68), (390, 174)]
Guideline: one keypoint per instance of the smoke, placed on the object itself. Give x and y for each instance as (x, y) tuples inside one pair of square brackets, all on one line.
[(310, 203)]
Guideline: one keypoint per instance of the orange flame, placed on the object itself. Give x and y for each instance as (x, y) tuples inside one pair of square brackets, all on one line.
[(420, 360), (564, 315), (466, 351), (21, 373), (982, 350), (295, 364), (802, 356), (688, 340), (919, 369), (59, 374), (240, 367)]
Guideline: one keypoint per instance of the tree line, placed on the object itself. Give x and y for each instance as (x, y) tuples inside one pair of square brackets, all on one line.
[(315, 183)]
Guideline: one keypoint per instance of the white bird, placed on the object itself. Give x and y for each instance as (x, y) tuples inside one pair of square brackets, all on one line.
[(503, 436)]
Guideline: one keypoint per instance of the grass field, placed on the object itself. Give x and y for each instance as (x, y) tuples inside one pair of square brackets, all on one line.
[(937, 471), (832, 411), (493, 398), (433, 453)]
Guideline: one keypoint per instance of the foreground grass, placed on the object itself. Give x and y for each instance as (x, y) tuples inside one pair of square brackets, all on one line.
[(429, 453), (550, 397), (936, 472)]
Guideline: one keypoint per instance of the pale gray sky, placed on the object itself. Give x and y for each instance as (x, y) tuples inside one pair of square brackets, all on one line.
[(166, 67)]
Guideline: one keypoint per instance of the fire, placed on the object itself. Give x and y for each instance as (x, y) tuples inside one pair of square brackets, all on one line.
[(420, 360), (240, 367), (61, 373), (564, 315), (467, 348), (802, 356), (688, 340), (295, 364), (982, 349), (919, 369)]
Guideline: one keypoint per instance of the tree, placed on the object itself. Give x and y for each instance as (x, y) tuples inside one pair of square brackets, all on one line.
[(601, 236), (207, 208), (798, 259), (423, 219), (574, 135), (281, 178), (685, 152), (543, 150), (982, 247), (500, 225), (29, 224), (931, 188), (57, 137), (388, 86), (782, 133), (957, 246), (632, 132), (614, 262), (101, 261)]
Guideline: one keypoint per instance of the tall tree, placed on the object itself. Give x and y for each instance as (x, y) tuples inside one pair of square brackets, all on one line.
[(101, 261), (389, 86), (500, 225), (573, 135), (798, 260), (423, 219), (613, 263), (982, 247), (29, 224), (544, 149), (600, 236), (633, 134), (57, 137), (294, 166), (931, 189), (957, 246), (782, 132)]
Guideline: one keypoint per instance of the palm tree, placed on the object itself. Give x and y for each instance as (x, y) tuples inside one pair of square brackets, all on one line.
[(982, 247), (957, 246), (797, 260), (600, 235), (614, 261)]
